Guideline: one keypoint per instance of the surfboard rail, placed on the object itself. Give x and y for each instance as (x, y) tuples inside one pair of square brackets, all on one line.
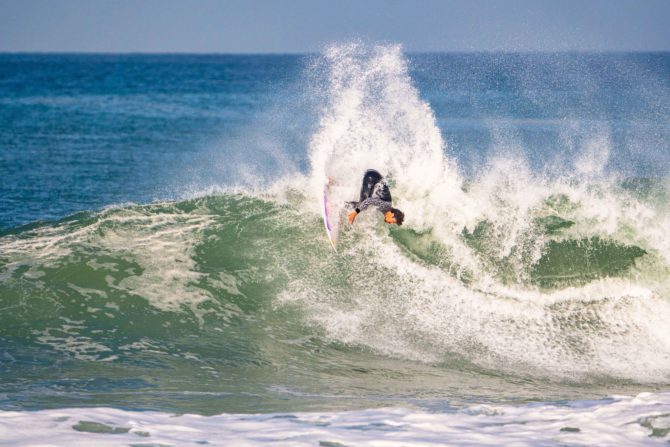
[(327, 219)]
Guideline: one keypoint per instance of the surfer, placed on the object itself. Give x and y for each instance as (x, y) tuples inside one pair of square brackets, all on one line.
[(375, 192)]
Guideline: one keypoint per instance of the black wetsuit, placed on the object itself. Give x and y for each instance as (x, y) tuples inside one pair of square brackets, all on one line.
[(374, 192)]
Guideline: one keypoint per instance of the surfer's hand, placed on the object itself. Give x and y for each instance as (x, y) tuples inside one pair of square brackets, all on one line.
[(352, 216)]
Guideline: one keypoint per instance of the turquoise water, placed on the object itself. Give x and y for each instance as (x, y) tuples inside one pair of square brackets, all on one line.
[(162, 247)]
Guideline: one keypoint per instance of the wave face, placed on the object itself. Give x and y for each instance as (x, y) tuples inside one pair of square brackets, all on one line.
[(512, 283)]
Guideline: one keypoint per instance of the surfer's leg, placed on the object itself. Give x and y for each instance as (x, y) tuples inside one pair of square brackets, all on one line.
[(382, 191), (370, 179)]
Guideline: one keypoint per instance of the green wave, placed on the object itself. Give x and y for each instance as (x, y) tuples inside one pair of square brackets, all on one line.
[(575, 262), (563, 263), (217, 296)]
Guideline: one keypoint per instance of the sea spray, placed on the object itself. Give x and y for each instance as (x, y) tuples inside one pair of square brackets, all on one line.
[(502, 296)]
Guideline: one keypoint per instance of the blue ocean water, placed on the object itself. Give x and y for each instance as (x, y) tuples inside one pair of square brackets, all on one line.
[(84, 131), (81, 132), (162, 249)]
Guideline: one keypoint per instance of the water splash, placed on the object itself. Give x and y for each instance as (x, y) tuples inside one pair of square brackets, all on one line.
[(492, 291)]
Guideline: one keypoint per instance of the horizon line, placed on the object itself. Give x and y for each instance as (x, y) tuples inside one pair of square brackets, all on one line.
[(312, 53)]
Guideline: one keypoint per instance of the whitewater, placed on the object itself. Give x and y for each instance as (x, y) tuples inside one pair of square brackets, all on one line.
[(524, 301)]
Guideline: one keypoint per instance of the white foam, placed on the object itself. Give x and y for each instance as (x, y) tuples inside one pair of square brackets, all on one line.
[(619, 421), (160, 243)]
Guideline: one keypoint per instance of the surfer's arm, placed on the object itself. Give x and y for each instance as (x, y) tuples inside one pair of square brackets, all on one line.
[(381, 205)]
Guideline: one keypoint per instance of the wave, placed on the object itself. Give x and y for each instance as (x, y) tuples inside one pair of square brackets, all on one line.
[(510, 274)]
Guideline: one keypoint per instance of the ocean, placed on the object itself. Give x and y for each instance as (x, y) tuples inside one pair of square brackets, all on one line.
[(165, 276)]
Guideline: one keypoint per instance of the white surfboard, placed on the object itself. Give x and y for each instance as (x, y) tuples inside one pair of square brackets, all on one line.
[(328, 218)]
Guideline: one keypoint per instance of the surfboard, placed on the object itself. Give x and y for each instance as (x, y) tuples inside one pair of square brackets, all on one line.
[(328, 218)]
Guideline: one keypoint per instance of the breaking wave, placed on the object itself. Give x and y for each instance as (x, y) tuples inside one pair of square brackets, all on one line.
[(558, 277)]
